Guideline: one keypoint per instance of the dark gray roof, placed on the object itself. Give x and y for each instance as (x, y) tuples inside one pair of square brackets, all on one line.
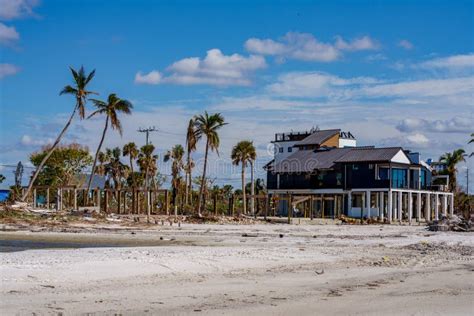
[(318, 137), (97, 181), (309, 160), (370, 154)]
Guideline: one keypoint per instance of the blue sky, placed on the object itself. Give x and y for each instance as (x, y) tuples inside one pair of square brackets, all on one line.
[(391, 72)]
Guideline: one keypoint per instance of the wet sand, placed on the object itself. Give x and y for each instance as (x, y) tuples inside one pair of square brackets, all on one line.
[(213, 269)]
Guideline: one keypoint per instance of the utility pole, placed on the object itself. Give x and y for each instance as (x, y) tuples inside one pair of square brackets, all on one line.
[(147, 132)]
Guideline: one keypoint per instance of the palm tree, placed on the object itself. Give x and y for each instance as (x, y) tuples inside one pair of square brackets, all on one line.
[(131, 150), (78, 89), (176, 154), (192, 137), (208, 125), (116, 170), (451, 160), (111, 108), (147, 163), (243, 153)]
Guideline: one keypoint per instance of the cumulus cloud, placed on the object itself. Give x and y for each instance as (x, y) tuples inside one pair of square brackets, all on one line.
[(453, 125), (14, 9), (450, 62), (215, 69), (304, 46), (8, 34), (153, 77), (406, 44), (27, 140), (8, 70)]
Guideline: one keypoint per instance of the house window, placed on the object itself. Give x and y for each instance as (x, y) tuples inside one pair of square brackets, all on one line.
[(290, 149), (355, 167), (383, 173), (280, 150), (371, 166), (399, 178)]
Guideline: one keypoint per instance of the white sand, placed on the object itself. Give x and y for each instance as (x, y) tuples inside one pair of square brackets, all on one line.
[(212, 269)]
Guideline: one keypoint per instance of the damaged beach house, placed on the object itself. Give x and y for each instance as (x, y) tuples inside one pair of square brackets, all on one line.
[(323, 173)]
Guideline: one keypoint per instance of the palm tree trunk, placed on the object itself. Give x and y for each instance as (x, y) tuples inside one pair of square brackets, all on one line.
[(186, 178), (203, 180), (244, 199), (252, 189), (190, 179), (97, 155), (51, 150), (131, 169)]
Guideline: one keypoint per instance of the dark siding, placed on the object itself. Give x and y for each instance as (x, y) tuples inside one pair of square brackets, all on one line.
[(361, 176)]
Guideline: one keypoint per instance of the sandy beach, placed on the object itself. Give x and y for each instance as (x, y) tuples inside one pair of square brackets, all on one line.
[(240, 269)]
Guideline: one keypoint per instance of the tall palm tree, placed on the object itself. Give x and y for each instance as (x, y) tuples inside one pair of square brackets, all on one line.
[(131, 151), (208, 125), (243, 153), (78, 89), (110, 109), (192, 137), (176, 154), (147, 163), (451, 160), (115, 169)]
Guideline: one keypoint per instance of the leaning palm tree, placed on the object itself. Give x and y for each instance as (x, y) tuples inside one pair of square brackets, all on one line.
[(78, 89), (192, 137), (131, 151), (471, 141), (176, 154), (244, 153), (451, 160), (110, 109), (208, 125)]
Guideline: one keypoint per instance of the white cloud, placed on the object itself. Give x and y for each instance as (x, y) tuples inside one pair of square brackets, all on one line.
[(362, 43), (27, 140), (304, 46), (14, 9), (215, 69), (454, 125), (8, 70), (450, 62), (317, 84), (8, 34), (420, 88), (406, 44), (153, 77)]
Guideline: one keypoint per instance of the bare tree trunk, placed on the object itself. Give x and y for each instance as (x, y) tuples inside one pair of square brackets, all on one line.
[(146, 196), (51, 150), (203, 179), (244, 199), (97, 155), (188, 171), (252, 189)]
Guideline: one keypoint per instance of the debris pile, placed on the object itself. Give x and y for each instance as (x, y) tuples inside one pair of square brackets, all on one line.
[(455, 223)]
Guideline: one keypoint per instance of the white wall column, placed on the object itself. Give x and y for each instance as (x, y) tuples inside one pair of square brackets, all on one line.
[(436, 205), (381, 205), (389, 206), (445, 205), (451, 205), (410, 206), (428, 207), (367, 202), (395, 206), (418, 207), (400, 206)]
